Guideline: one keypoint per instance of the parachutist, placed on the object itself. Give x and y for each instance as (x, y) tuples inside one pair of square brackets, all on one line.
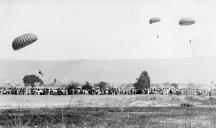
[(154, 20), (40, 72)]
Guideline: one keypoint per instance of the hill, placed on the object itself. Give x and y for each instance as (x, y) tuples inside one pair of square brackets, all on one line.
[(197, 69)]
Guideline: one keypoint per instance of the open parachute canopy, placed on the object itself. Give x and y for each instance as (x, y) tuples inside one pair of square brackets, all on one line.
[(23, 41), (186, 21), (154, 20)]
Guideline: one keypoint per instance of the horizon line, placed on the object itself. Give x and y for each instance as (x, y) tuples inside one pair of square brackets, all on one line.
[(116, 59)]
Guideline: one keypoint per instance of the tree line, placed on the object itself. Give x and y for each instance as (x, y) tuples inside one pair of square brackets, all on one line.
[(142, 82)]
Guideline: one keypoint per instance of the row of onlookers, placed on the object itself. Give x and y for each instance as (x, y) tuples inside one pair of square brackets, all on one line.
[(108, 91)]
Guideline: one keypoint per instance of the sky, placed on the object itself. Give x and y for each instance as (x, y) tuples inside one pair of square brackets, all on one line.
[(107, 29)]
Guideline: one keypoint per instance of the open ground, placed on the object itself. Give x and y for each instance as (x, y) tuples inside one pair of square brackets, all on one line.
[(37, 101), (110, 111)]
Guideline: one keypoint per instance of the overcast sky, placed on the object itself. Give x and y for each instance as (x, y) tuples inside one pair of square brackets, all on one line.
[(110, 29)]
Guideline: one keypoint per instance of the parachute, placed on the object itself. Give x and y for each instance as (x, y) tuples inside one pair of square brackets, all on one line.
[(154, 20), (186, 21), (23, 41)]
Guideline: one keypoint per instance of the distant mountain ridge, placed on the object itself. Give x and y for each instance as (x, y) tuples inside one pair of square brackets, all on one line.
[(197, 69)]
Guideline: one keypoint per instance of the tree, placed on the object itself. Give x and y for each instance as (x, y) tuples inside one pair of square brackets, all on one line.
[(101, 85), (87, 85), (174, 85), (73, 85), (31, 80), (143, 81)]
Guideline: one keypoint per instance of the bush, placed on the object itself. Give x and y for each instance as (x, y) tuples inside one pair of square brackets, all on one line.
[(101, 85), (87, 86), (73, 85)]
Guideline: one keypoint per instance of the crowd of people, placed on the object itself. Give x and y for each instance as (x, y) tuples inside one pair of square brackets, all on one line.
[(108, 91)]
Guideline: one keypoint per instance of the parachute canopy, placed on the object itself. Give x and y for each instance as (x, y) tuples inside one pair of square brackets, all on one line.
[(186, 21), (23, 41), (154, 19)]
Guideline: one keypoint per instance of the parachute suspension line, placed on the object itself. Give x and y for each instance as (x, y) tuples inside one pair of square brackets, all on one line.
[(154, 20)]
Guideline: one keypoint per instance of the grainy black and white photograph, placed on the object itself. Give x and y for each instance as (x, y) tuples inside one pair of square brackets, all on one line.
[(108, 64)]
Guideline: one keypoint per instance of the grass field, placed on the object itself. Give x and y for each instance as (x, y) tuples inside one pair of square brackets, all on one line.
[(107, 117), (107, 111)]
